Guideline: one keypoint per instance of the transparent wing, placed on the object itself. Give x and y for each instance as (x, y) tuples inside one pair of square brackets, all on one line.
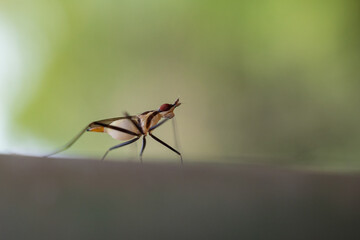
[(110, 120)]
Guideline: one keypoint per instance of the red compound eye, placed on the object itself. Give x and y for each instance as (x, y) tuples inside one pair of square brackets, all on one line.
[(165, 107)]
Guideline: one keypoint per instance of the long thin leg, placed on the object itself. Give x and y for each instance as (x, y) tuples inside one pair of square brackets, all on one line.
[(70, 143), (159, 124), (142, 148), (166, 145), (174, 130), (98, 123), (118, 146)]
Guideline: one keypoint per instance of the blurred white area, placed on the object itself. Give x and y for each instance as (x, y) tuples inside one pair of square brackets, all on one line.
[(27, 45), (11, 66), (20, 60)]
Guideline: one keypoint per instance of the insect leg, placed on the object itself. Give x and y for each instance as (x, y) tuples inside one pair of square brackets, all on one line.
[(70, 143), (120, 145), (159, 124), (174, 130), (166, 145), (93, 124), (142, 148)]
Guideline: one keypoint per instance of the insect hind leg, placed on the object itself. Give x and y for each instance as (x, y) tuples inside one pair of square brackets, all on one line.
[(101, 123), (119, 146), (69, 144)]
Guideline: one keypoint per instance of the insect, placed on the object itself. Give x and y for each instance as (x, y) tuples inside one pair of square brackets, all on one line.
[(131, 128)]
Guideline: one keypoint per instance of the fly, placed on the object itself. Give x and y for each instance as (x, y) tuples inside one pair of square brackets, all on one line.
[(131, 128)]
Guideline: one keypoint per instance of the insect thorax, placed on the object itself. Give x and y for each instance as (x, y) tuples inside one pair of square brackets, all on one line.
[(148, 120)]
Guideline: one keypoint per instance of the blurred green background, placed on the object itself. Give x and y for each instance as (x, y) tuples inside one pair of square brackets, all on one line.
[(270, 81)]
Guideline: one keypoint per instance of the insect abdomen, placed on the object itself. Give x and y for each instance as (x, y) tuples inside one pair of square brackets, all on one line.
[(123, 123)]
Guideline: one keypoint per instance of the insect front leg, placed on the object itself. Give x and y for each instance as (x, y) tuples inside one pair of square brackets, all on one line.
[(166, 145)]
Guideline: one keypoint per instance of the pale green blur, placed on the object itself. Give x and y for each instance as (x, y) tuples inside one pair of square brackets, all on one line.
[(276, 81)]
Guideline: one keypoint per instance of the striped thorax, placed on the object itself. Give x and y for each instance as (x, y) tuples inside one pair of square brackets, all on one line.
[(147, 120)]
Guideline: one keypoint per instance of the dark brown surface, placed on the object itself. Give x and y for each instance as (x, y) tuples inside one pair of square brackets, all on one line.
[(88, 199)]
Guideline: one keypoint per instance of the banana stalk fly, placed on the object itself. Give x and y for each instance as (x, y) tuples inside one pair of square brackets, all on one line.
[(131, 128)]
